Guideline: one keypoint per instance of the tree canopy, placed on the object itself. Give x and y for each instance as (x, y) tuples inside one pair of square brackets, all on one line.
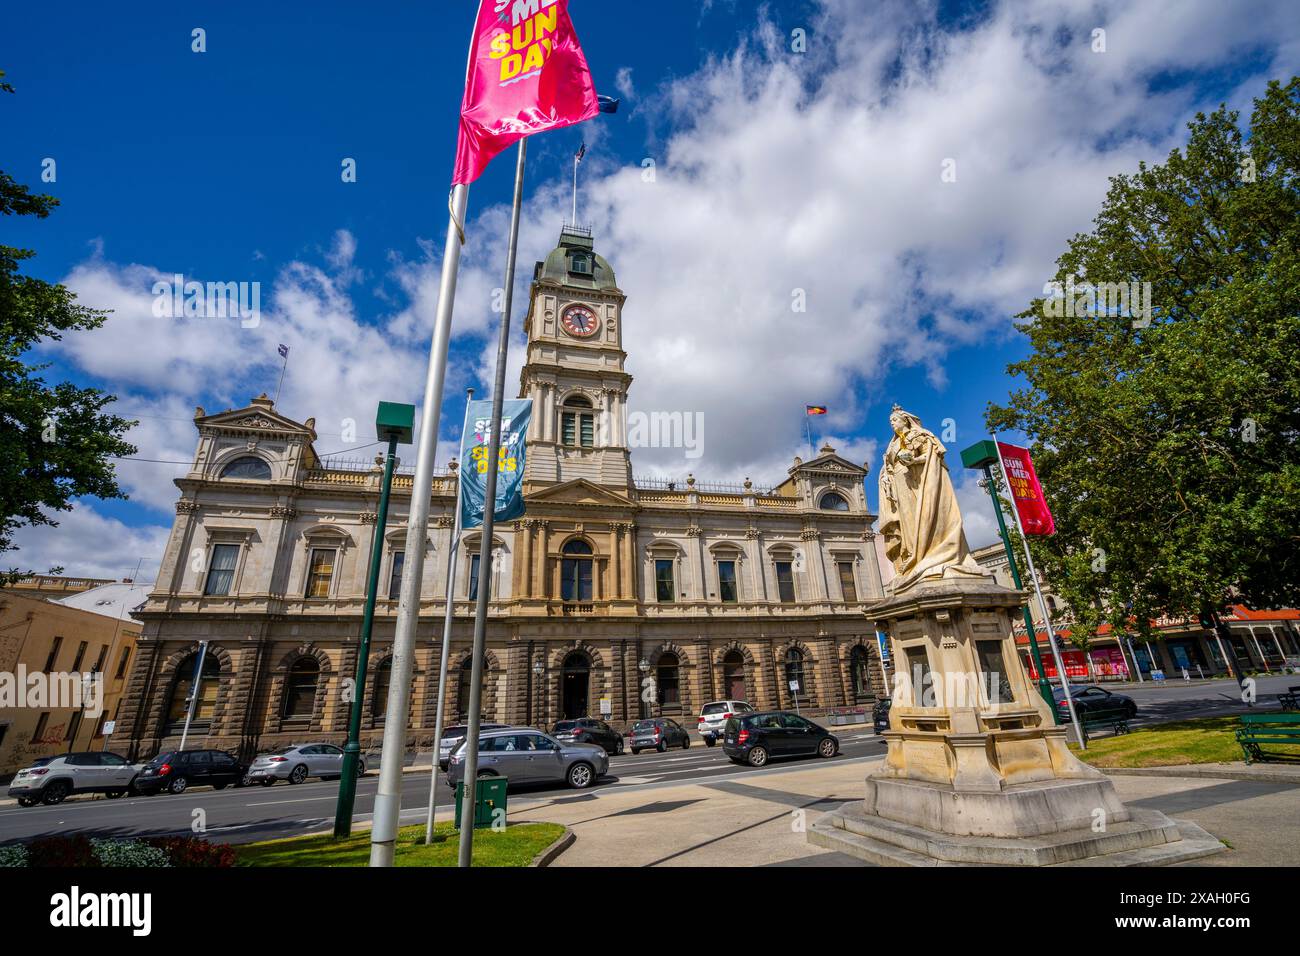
[(1166, 442)]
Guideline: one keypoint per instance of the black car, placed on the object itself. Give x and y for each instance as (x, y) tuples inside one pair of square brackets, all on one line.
[(880, 714), (1093, 701), (588, 730), (177, 770), (757, 738)]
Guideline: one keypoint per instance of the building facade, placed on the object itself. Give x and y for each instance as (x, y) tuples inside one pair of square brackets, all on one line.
[(1262, 641), (51, 644), (609, 597)]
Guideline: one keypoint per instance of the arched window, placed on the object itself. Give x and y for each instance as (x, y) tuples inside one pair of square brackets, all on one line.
[(178, 704), (249, 467), (575, 571), (300, 690), (833, 501), (667, 683), (463, 685), (794, 674), (860, 672), (577, 422), (379, 699)]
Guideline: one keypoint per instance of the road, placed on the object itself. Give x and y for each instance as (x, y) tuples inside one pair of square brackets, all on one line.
[(264, 813), (261, 813)]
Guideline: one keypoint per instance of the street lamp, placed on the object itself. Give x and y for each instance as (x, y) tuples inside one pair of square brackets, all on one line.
[(394, 423)]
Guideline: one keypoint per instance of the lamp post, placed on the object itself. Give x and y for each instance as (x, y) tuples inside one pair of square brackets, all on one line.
[(394, 423), (983, 455), (539, 668)]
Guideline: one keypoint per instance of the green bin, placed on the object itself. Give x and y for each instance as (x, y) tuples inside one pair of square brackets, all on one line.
[(490, 796)]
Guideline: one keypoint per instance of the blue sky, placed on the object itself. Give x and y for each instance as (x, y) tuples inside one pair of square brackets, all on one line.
[(776, 171)]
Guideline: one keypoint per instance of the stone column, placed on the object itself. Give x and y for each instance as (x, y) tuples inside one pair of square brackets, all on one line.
[(525, 577), (615, 566)]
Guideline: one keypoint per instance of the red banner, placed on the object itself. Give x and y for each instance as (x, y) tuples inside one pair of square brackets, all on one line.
[(527, 74), (1035, 516)]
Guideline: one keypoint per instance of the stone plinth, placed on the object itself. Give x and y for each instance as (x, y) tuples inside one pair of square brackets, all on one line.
[(976, 771)]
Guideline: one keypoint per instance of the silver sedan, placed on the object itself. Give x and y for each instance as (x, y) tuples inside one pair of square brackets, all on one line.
[(299, 762), (530, 756)]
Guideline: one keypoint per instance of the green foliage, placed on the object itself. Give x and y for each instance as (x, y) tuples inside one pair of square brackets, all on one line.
[(129, 853), (55, 440), (1168, 450), (15, 855)]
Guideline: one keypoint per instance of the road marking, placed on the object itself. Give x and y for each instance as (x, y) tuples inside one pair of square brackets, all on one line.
[(274, 803)]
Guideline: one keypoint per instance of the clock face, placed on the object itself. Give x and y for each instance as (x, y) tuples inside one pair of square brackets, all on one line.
[(580, 321)]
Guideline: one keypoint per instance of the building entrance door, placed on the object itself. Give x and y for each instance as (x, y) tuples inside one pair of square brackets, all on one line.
[(575, 687), (733, 676)]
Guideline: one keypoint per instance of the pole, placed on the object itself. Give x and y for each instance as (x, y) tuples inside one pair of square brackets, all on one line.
[(1042, 608), (352, 749), (453, 549), (574, 220), (194, 690), (281, 382), (1031, 632), (1131, 653), (388, 799), (489, 519)]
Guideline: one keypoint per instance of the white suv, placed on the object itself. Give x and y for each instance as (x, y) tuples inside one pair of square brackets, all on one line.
[(51, 779), (714, 717)]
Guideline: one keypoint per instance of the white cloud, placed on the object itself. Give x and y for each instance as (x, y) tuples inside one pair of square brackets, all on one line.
[(90, 544)]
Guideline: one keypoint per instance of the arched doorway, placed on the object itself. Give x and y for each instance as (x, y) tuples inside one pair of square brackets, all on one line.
[(464, 682), (668, 683), (575, 686), (733, 676), (379, 699), (794, 677), (860, 673), (179, 702)]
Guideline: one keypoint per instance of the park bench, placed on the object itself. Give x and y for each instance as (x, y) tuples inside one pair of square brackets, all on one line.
[(1291, 699), (1116, 720), (1257, 729)]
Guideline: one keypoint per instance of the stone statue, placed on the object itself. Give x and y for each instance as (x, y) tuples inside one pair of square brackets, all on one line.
[(919, 517)]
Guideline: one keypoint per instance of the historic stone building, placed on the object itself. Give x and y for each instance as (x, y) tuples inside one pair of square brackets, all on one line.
[(610, 595)]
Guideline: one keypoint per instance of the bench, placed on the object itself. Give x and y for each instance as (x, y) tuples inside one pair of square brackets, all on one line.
[(1116, 720), (1291, 699), (1257, 729)]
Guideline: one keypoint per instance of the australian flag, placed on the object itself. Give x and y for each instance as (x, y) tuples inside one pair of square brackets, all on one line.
[(606, 104), (284, 351)]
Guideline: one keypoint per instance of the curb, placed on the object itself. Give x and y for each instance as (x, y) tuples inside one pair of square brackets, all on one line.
[(1210, 771), (562, 843)]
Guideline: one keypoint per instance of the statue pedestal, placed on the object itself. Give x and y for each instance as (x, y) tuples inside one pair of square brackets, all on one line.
[(976, 772)]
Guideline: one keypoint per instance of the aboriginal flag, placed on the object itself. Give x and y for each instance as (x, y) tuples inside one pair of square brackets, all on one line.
[(816, 409)]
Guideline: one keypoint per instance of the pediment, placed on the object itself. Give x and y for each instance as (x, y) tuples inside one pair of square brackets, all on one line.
[(579, 491), (257, 416), (832, 463)]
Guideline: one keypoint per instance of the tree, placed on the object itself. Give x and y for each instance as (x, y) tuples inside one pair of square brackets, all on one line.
[(1167, 442), (55, 441)]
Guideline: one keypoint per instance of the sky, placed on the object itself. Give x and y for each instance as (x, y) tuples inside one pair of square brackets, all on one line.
[(836, 202)]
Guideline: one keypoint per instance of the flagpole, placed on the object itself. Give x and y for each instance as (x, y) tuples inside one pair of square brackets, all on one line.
[(453, 550), (281, 382), (485, 541), (574, 220), (388, 799), (1042, 605)]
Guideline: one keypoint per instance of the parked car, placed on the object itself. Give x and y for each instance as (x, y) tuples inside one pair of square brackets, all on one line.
[(714, 717), (299, 762), (757, 738), (880, 714), (452, 736), (177, 770), (51, 780), (1093, 701), (523, 755), (658, 733), (588, 730)]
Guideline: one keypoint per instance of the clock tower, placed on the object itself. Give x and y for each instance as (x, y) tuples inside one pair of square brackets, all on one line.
[(573, 370)]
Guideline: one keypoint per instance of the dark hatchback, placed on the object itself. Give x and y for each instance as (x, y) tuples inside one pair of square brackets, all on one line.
[(1092, 702), (880, 715), (177, 770), (755, 739), (588, 730)]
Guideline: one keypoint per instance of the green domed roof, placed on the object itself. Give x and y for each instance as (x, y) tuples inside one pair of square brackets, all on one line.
[(575, 263)]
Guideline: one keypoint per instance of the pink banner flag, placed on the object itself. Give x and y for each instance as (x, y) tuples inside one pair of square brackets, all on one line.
[(527, 74), (1035, 516)]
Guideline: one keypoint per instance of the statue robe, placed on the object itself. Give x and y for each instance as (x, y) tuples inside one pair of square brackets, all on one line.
[(919, 517)]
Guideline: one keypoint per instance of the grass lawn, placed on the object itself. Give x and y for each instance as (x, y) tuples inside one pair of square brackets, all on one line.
[(514, 846), (1209, 740)]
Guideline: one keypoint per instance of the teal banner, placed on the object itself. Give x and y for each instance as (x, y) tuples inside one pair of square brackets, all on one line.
[(515, 415)]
